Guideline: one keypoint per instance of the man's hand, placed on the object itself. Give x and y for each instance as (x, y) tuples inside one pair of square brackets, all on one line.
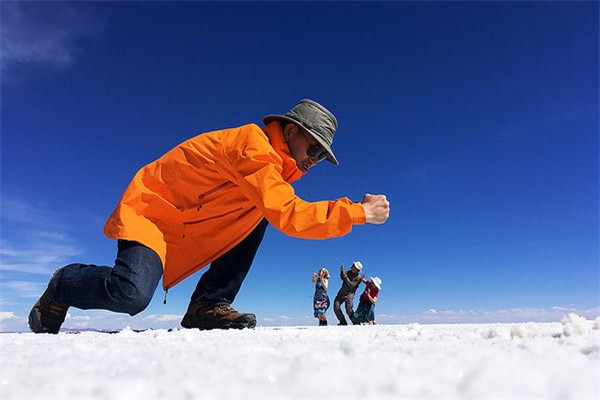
[(377, 208)]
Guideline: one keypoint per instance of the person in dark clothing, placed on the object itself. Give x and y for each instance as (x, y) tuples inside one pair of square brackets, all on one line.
[(321, 299), (350, 282)]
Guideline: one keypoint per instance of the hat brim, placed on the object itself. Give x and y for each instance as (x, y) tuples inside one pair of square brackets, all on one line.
[(377, 285), (330, 156)]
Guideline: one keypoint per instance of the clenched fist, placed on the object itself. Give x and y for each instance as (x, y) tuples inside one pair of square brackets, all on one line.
[(377, 208)]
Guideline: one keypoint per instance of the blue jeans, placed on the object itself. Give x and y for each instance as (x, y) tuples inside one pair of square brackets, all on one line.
[(129, 286), (223, 280)]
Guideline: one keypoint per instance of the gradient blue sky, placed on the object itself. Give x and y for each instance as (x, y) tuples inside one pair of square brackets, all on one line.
[(478, 120)]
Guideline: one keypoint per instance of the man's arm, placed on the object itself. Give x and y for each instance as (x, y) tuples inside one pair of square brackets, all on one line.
[(371, 299), (343, 275), (257, 170)]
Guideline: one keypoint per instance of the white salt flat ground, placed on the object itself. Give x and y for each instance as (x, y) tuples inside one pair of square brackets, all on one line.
[(500, 361)]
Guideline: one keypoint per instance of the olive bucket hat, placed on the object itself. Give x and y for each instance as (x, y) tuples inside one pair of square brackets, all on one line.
[(315, 119)]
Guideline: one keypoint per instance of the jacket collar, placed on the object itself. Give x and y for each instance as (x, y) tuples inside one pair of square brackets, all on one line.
[(290, 171)]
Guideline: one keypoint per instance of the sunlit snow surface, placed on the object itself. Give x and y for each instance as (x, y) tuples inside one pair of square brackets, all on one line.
[(516, 361)]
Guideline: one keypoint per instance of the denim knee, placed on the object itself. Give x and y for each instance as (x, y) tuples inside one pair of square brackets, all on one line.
[(131, 299), (135, 305)]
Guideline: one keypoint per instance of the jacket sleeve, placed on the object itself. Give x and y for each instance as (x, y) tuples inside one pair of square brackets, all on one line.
[(258, 173)]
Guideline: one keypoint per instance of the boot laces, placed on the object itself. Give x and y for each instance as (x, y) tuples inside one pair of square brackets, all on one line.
[(225, 308), (56, 310)]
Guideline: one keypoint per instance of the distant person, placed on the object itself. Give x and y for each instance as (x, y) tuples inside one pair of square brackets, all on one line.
[(321, 299), (209, 201), (365, 313), (350, 282)]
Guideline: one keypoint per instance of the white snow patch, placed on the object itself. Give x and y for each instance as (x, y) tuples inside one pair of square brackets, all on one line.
[(527, 330), (468, 361), (573, 324), (127, 332)]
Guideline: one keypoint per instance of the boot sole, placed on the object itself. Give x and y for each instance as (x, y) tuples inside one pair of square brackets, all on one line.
[(188, 323)]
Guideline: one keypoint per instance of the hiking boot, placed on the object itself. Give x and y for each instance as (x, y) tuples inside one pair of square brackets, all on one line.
[(216, 317), (47, 315), (322, 323)]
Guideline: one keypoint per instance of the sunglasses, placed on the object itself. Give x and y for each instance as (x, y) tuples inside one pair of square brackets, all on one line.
[(315, 150)]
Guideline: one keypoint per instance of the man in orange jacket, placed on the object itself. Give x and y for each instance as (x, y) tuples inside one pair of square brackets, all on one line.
[(209, 201)]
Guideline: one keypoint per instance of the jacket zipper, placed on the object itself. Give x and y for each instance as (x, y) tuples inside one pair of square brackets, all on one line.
[(200, 204), (210, 191)]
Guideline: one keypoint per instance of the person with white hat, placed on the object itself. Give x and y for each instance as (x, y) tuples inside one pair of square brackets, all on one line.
[(365, 313), (350, 282), (207, 201)]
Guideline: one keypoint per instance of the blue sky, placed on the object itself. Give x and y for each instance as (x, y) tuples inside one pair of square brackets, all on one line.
[(478, 120)]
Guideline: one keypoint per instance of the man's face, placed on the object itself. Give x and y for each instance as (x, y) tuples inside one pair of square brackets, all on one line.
[(299, 142), (354, 269)]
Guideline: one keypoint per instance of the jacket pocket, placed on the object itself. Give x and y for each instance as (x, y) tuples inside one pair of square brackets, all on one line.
[(212, 217), (204, 197), (194, 212)]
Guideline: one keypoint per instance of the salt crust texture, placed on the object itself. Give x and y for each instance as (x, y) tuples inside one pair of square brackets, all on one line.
[(463, 361)]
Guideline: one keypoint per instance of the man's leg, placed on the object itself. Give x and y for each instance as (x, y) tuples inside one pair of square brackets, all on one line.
[(219, 285), (349, 304), (338, 311), (127, 287)]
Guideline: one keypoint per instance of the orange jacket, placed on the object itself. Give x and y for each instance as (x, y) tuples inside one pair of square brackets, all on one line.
[(207, 194)]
